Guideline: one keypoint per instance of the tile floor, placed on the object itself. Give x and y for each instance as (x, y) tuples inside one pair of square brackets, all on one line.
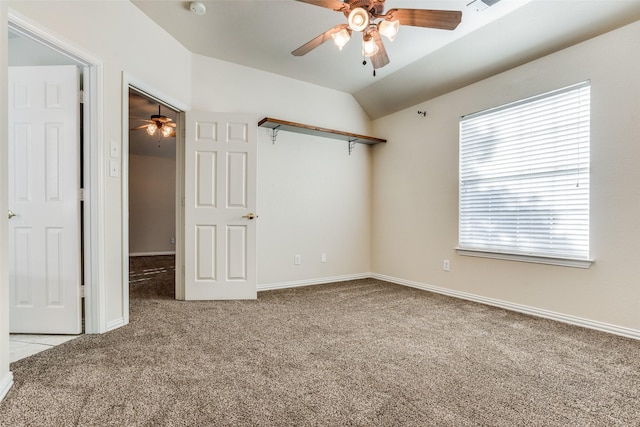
[(25, 345)]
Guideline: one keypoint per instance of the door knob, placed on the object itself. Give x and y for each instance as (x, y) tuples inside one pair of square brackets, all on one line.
[(250, 216), (11, 214)]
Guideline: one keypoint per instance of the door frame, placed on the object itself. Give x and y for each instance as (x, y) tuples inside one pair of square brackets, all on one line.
[(131, 82), (93, 229)]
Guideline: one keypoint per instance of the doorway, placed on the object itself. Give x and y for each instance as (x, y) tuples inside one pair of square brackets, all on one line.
[(29, 45), (152, 185)]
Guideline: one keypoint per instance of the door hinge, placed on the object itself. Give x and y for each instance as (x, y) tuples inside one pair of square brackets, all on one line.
[(82, 291), (81, 194), (81, 97)]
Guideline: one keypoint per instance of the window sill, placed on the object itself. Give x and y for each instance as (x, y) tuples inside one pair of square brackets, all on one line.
[(565, 262)]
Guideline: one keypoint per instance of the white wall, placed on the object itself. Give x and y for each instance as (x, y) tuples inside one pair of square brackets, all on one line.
[(313, 197), (152, 203), (415, 189), (120, 35)]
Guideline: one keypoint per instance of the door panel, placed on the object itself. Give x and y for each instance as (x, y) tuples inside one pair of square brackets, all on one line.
[(220, 192), (44, 165)]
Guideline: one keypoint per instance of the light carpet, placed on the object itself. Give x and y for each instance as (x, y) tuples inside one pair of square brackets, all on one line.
[(358, 353)]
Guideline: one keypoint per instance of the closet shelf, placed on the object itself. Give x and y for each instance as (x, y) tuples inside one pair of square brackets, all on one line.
[(352, 138)]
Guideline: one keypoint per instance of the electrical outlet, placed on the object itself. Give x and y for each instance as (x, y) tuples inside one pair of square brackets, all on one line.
[(323, 258), (446, 265), (297, 260), (172, 240)]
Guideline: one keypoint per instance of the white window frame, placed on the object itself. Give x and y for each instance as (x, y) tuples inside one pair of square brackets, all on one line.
[(498, 217)]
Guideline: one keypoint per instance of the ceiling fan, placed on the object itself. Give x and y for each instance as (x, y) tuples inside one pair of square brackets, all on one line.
[(159, 122), (368, 17)]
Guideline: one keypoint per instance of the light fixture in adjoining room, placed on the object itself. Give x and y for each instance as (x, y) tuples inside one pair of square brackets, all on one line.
[(167, 131), (158, 121), (341, 38), (152, 128)]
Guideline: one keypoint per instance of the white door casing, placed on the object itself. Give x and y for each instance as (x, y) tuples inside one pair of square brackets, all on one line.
[(44, 185), (220, 199)]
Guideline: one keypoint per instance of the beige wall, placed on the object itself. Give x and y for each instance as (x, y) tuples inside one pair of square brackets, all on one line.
[(152, 204), (415, 189), (313, 197)]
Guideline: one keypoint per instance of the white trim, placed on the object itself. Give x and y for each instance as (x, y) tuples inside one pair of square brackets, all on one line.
[(5, 384), (95, 292), (308, 282), (560, 317), (152, 253), (124, 191), (115, 324), (536, 259), (180, 191)]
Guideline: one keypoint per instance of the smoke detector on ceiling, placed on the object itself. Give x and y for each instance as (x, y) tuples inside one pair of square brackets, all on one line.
[(480, 5), (197, 8)]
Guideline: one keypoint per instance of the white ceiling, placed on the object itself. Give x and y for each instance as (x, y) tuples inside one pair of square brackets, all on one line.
[(424, 62)]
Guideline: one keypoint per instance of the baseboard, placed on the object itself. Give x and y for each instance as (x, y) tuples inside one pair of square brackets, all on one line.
[(115, 324), (152, 253), (5, 384), (308, 282), (560, 317)]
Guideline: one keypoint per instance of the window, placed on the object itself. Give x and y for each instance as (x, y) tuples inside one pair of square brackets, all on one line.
[(524, 179)]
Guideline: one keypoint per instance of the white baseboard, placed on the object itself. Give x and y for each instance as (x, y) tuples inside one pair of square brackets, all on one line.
[(5, 385), (115, 324), (560, 317), (308, 282), (152, 253)]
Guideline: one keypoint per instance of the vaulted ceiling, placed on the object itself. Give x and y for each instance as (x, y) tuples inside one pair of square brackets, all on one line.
[(424, 62)]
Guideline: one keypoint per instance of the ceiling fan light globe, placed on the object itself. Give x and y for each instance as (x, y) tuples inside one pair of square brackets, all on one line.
[(152, 128), (389, 29), (166, 131), (358, 19), (369, 47), (341, 38)]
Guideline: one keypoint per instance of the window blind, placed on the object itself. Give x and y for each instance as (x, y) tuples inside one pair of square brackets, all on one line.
[(524, 176)]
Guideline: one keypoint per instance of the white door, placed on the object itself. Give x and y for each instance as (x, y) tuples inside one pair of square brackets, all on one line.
[(220, 206), (44, 171)]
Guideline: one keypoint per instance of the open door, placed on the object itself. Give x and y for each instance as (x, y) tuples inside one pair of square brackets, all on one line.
[(44, 200), (220, 206)]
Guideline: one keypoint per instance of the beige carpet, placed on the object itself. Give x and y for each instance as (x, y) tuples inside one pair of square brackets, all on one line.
[(355, 353)]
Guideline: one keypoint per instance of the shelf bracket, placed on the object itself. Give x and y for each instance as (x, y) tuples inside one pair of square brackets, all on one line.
[(274, 134), (352, 143)]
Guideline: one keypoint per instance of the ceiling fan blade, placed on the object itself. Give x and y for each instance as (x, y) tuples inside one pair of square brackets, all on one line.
[(139, 127), (380, 59), (336, 5), (440, 19), (314, 43)]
